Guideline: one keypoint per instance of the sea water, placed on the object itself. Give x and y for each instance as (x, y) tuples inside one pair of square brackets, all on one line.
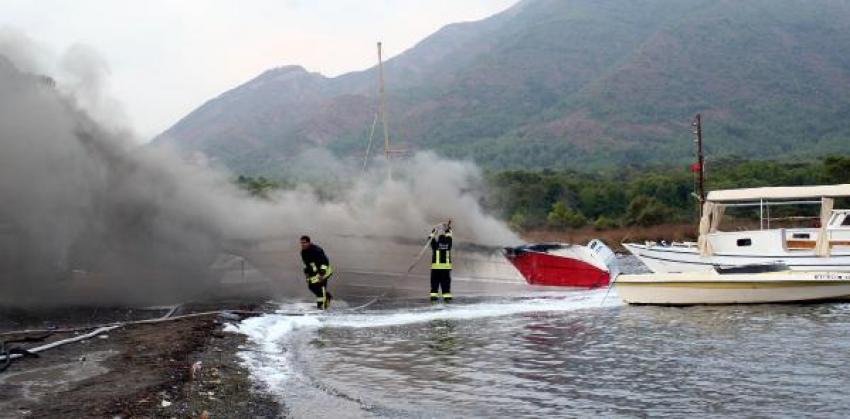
[(561, 354)]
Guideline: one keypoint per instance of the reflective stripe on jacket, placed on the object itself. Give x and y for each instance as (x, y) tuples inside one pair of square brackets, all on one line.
[(316, 263), (441, 251), (327, 269)]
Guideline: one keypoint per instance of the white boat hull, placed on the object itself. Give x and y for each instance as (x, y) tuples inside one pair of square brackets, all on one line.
[(674, 259), (712, 288)]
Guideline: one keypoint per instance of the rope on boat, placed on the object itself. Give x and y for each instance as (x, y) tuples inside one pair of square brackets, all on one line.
[(610, 285)]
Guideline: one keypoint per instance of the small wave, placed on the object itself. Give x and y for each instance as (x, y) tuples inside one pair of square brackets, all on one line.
[(268, 330), (572, 301), (270, 355)]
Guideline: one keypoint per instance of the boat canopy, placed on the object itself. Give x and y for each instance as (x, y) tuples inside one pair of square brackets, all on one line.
[(717, 201), (781, 192)]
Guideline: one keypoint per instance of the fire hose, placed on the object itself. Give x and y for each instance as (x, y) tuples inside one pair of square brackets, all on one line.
[(10, 353), (7, 355), (406, 273)]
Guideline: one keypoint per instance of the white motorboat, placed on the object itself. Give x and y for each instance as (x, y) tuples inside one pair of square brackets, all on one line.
[(565, 264), (822, 248), (733, 288)]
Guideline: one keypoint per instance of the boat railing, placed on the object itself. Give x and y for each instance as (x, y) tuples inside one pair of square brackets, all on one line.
[(794, 218), (664, 243), (685, 244)]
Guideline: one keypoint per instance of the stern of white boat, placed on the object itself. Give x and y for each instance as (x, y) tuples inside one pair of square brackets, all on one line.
[(712, 288)]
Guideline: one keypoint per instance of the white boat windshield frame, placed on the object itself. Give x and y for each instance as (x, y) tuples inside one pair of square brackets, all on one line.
[(764, 209)]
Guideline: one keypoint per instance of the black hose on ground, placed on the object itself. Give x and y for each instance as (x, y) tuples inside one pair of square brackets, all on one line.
[(7, 355), (7, 352)]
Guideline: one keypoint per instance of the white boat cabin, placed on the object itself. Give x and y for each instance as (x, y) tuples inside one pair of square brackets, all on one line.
[(822, 242), (831, 233)]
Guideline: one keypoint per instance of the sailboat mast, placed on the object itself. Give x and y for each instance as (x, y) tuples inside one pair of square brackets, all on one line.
[(700, 159), (700, 164), (383, 101)]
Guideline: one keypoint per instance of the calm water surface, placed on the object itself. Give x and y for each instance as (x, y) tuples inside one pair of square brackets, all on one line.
[(559, 355)]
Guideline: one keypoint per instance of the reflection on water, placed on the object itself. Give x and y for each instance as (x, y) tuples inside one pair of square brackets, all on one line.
[(622, 361), (441, 338), (561, 355)]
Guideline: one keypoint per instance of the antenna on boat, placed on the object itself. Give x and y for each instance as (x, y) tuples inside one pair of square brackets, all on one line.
[(700, 165)]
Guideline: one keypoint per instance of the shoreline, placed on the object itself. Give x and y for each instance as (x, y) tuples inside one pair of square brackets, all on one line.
[(185, 367), (182, 368)]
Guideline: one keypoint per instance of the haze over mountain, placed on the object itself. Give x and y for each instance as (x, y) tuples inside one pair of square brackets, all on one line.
[(564, 84)]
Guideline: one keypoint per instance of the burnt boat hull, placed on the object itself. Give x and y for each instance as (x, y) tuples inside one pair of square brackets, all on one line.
[(563, 264), (551, 270)]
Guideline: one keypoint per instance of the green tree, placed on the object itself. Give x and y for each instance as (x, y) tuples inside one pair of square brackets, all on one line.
[(837, 169), (563, 216), (518, 220), (260, 186), (647, 211)]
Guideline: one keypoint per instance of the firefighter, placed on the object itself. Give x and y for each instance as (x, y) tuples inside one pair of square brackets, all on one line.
[(441, 263), (317, 269)]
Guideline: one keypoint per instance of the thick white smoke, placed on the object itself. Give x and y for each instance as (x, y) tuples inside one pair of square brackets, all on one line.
[(141, 225), (422, 191)]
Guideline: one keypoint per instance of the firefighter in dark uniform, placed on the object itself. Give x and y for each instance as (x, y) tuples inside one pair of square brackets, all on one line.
[(317, 269), (441, 263)]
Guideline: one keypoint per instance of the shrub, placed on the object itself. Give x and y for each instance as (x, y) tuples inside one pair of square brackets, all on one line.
[(605, 223), (563, 216), (647, 211)]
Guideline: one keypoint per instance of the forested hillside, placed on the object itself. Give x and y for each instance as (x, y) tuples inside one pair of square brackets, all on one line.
[(566, 199), (565, 84)]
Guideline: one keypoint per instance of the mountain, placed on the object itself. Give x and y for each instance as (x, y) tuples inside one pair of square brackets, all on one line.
[(565, 84)]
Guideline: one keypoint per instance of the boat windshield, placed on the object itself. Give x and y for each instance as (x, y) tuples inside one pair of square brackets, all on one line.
[(545, 247)]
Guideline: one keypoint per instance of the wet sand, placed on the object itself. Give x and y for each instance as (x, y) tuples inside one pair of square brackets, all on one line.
[(140, 370)]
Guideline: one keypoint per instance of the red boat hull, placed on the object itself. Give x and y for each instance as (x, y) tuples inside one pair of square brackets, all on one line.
[(545, 269)]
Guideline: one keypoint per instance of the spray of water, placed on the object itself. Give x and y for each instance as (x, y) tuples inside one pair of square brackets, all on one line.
[(273, 356), (88, 216)]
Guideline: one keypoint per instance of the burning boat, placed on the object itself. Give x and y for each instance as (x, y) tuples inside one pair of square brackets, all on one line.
[(564, 264)]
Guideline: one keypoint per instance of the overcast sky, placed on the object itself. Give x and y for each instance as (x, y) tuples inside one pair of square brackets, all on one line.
[(167, 57)]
